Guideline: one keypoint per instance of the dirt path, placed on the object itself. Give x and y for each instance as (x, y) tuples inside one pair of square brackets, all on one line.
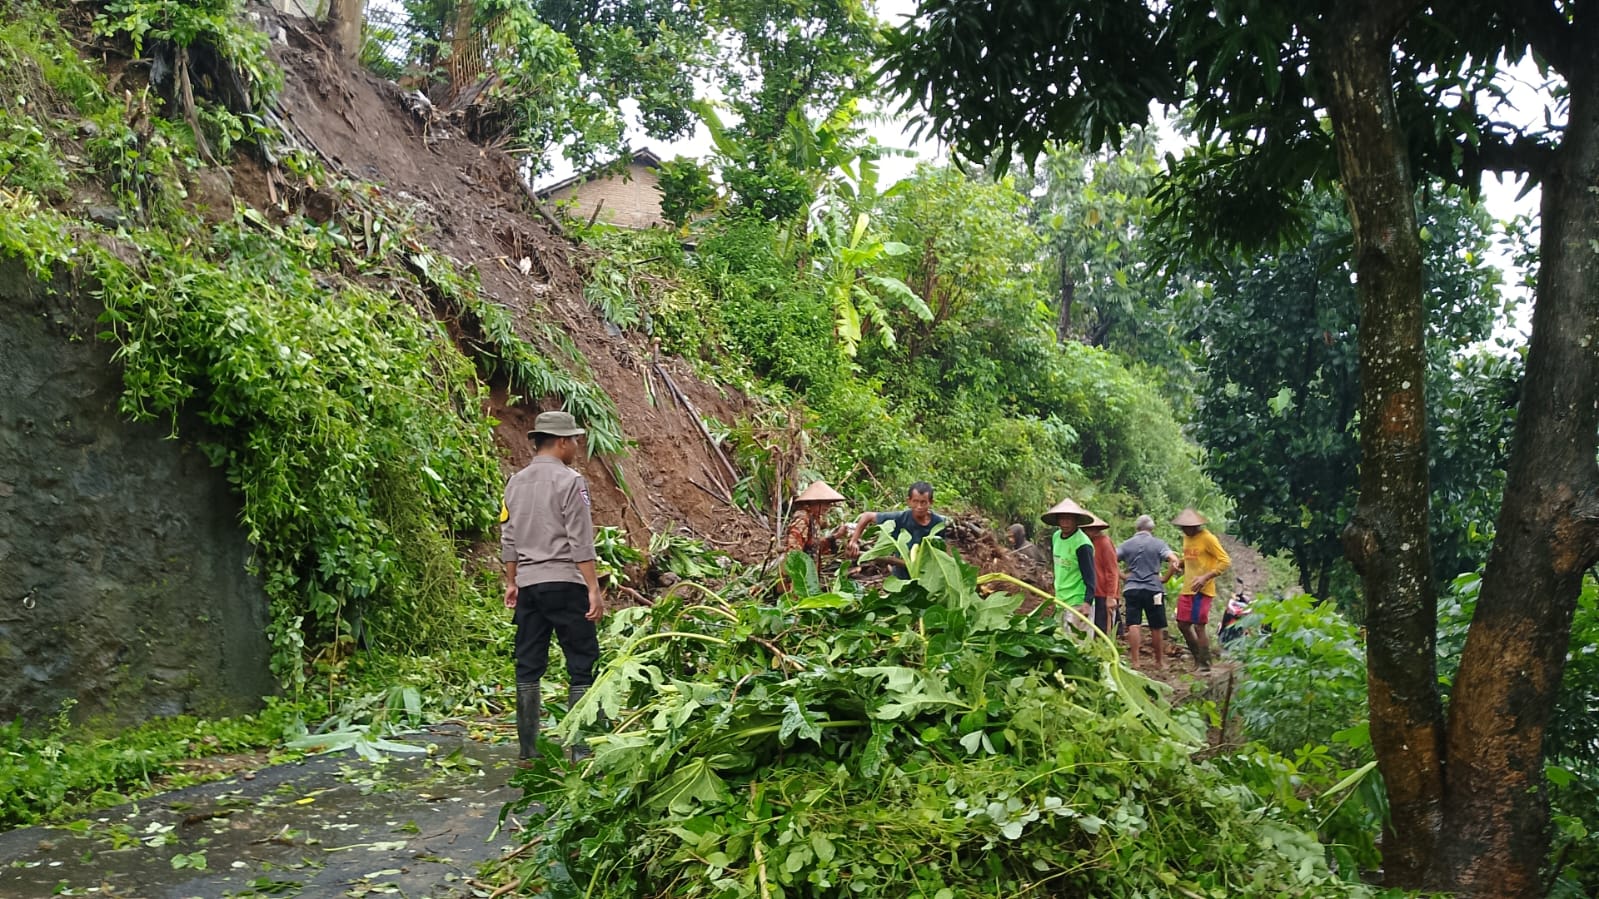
[(335, 825), (1249, 573)]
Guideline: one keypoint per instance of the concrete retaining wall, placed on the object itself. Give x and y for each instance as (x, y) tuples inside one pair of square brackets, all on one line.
[(122, 564)]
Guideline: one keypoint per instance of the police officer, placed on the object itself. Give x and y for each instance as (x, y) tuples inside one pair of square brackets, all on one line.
[(547, 545)]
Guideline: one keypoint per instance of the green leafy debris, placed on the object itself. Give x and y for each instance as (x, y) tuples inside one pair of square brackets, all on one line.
[(919, 740)]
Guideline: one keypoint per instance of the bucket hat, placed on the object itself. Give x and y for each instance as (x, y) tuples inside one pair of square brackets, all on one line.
[(1188, 518), (818, 492), (1066, 507), (556, 424)]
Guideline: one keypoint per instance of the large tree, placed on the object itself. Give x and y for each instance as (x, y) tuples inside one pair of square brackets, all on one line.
[(1278, 401), (771, 58), (1369, 93), (1095, 209)]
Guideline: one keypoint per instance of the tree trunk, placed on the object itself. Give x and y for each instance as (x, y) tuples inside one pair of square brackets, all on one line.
[(1323, 582), (1099, 333), (1306, 575), (345, 18), (1068, 289), (1496, 809), (1387, 538)]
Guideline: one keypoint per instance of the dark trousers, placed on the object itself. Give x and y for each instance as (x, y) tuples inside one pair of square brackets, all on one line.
[(558, 608)]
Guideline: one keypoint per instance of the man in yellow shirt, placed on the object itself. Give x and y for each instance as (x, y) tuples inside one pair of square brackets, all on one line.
[(1204, 560)]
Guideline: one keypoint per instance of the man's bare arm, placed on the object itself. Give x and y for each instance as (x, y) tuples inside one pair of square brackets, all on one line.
[(861, 523)]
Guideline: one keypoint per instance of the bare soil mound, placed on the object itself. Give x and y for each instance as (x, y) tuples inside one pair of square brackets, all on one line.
[(474, 209)]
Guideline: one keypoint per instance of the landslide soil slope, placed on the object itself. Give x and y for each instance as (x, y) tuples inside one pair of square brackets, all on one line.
[(470, 203)]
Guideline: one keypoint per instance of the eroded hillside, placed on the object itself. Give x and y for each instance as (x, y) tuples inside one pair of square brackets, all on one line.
[(351, 311), (470, 206)]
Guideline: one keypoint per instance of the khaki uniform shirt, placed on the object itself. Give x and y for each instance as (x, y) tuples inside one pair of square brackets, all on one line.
[(546, 527)]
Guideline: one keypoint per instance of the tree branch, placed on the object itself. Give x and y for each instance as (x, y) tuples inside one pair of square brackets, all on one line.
[(1384, 18), (1548, 32), (1498, 152)]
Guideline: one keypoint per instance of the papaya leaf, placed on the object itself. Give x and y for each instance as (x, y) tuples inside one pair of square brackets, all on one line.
[(688, 788)]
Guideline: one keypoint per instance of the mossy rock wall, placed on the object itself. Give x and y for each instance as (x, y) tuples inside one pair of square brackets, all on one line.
[(122, 565)]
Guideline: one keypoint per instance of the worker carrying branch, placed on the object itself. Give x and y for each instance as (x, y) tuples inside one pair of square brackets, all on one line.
[(1073, 552), (916, 521)]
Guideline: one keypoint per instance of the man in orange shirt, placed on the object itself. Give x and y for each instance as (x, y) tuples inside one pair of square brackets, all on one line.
[(1107, 574), (1204, 560)]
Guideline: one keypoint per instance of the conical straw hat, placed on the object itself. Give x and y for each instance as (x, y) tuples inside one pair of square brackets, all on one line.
[(1188, 518), (1066, 507), (819, 492), (1097, 523)]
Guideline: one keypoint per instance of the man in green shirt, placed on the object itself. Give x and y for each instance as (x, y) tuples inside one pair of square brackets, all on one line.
[(1074, 553)]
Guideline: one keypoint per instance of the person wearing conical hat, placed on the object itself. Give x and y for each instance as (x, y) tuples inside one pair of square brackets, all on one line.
[(1107, 574), (1074, 553), (805, 527), (1204, 560)]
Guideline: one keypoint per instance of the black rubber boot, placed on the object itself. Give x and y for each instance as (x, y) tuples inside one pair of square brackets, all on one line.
[(528, 698), (579, 750)]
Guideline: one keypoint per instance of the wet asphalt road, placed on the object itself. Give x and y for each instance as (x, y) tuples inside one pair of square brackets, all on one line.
[(336, 825)]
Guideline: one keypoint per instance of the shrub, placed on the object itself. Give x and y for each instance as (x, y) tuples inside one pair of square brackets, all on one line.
[(1013, 468), (1304, 676), (686, 190), (345, 416), (63, 770)]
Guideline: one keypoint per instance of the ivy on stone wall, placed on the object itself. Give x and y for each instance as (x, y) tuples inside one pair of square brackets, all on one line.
[(300, 356)]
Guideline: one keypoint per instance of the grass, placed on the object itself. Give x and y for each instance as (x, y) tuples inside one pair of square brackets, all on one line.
[(63, 770)]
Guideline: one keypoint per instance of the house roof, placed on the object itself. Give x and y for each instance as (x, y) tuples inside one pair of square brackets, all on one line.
[(642, 157)]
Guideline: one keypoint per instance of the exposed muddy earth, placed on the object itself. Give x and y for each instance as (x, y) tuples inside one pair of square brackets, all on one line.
[(411, 824)]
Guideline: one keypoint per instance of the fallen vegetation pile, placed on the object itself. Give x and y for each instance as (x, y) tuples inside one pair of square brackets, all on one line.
[(918, 740)]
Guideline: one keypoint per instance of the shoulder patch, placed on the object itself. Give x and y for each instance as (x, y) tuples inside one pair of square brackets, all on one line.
[(583, 488), (505, 513)]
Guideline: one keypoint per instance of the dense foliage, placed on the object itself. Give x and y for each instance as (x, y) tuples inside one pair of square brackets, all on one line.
[(1301, 704), (923, 740), (344, 414), (569, 78), (53, 773), (1306, 675), (1302, 698), (1009, 340), (1277, 405), (945, 366), (1380, 98), (1118, 282)]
